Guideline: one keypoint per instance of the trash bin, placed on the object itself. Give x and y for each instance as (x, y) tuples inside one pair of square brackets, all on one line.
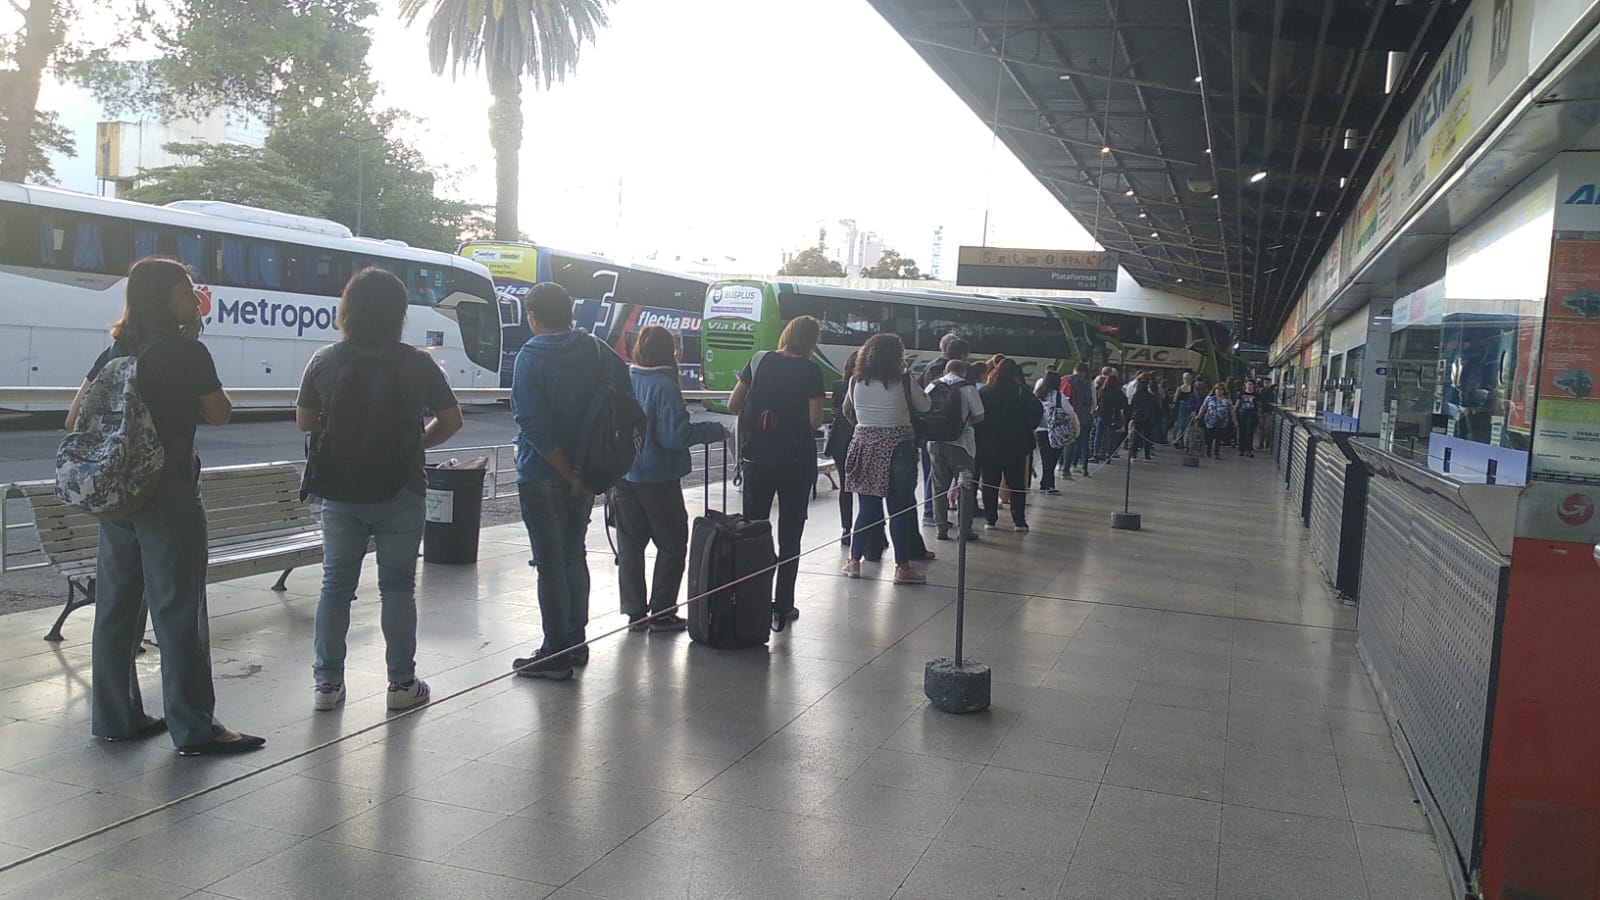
[(455, 514)]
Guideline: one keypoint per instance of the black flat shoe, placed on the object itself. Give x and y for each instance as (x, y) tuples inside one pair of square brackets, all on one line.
[(779, 622), (152, 726), (243, 744)]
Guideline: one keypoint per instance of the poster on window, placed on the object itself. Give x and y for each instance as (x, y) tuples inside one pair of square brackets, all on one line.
[(1566, 442)]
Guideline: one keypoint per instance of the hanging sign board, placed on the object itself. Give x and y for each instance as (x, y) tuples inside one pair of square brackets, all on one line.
[(1063, 270)]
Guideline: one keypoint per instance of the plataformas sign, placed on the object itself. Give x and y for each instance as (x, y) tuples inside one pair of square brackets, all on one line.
[(1065, 270)]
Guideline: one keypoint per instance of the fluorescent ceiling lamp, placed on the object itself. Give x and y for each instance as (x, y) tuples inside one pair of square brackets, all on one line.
[(1155, 234), (1105, 149), (1197, 79), (1258, 177), (1064, 77), (1128, 192)]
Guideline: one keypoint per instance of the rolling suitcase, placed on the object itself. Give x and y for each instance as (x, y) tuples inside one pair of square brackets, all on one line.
[(724, 548)]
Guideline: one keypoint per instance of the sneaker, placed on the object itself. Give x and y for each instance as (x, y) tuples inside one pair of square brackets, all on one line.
[(1020, 529), (973, 536), (990, 526), (638, 624), (408, 694), (1053, 490), (943, 533), (326, 696), (579, 655), (539, 665), (852, 568), (668, 623), (908, 575)]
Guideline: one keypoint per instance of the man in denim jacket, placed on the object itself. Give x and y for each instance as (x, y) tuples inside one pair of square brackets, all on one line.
[(552, 384)]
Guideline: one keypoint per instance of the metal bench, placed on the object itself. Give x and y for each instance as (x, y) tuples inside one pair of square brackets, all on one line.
[(255, 519)]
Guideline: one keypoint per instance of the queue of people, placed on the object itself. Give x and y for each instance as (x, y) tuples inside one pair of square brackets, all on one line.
[(373, 405)]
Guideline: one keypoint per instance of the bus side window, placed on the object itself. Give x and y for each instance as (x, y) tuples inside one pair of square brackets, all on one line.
[(1166, 332), (19, 235)]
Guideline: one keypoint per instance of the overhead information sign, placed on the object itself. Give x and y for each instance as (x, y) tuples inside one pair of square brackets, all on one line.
[(1065, 270)]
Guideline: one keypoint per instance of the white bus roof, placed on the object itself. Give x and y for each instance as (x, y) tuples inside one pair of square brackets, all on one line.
[(182, 217)]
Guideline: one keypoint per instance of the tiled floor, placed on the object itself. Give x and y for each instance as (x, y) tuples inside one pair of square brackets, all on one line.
[(1178, 713)]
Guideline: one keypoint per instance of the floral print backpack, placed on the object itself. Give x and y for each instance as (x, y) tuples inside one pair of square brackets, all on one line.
[(111, 462)]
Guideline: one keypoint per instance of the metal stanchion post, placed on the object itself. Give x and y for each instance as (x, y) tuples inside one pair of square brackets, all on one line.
[(959, 685), (1125, 520)]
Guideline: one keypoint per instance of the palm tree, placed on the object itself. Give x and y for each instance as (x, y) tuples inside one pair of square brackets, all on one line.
[(507, 39)]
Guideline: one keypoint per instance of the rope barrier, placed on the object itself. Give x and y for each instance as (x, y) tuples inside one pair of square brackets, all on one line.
[(405, 714)]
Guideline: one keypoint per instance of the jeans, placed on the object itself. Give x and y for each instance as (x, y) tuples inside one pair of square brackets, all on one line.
[(1079, 452), (791, 485), (948, 461), (1105, 438), (557, 523), (645, 513), (1014, 469), (395, 526), (902, 499), (154, 561), (1049, 458)]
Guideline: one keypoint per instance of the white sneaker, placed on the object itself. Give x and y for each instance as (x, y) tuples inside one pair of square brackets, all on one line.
[(405, 696), (852, 568), (326, 696)]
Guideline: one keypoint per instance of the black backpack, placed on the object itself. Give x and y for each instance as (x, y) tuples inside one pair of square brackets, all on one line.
[(610, 434), (946, 418), (370, 439)]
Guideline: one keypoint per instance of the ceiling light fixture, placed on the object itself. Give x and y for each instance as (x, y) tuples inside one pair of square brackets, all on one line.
[(1106, 149), (1180, 281), (1258, 177), (1216, 196), (1144, 215), (1064, 77), (1155, 234), (1197, 79), (1128, 192)]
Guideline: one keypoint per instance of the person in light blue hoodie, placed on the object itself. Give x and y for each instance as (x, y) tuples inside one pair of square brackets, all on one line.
[(649, 499)]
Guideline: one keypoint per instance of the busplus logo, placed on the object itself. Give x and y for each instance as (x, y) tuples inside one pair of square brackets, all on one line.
[(300, 317)]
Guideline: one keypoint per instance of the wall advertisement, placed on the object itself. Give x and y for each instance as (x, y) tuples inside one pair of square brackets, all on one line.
[(1566, 426), (1484, 60)]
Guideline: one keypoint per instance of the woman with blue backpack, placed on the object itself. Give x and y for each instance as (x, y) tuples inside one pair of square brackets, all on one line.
[(1057, 429), (152, 554)]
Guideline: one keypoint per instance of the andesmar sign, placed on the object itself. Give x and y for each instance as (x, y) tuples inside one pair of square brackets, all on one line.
[(1485, 59)]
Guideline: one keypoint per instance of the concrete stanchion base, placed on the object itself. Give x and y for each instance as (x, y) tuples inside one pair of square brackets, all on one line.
[(956, 688), (1125, 521), (1191, 462)]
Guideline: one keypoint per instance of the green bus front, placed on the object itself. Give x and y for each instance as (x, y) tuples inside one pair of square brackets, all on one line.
[(741, 318)]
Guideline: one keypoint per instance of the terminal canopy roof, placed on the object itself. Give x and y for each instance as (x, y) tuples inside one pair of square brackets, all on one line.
[(1214, 145)]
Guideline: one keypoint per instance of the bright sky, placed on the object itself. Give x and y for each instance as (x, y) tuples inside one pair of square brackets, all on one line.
[(735, 128)]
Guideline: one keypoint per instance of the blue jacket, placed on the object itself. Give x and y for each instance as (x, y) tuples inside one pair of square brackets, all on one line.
[(547, 397), (669, 434)]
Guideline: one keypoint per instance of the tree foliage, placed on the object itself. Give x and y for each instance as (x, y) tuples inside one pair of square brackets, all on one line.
[(48, 136), (254, 176), (259, 57), (300, 65), (507, 39), (812, 263), (892, 265)]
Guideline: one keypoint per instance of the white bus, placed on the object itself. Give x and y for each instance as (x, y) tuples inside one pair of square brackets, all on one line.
[(268, 282)]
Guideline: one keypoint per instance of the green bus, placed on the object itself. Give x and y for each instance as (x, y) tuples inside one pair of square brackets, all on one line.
[(745, 316)]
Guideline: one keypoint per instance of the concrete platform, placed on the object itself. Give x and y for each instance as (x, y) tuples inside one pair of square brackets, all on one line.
[(1179, 712)]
